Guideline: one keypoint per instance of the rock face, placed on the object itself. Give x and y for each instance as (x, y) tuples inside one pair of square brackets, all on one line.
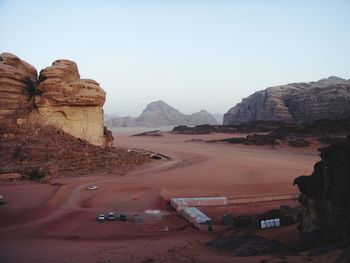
[(325, 195), (53, 124), (18, 81), (159, 113), (58, 97), (296, 103)]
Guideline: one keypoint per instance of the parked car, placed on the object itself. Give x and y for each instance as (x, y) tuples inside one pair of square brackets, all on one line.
[(101, 218), (122, 218), (92, 187), (111, 216)]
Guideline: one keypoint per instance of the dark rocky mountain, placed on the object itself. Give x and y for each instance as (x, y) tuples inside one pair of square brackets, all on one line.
[(276, 133), (325, 195), (159, 113), (295, 103)]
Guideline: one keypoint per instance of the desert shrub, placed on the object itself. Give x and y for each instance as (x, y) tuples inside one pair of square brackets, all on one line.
[(37, 174)]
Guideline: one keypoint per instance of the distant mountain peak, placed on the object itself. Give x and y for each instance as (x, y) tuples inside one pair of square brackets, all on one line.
[(335, 78), (158, 105), (159, 113)]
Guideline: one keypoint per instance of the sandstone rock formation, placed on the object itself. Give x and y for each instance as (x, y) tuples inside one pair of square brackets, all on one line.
[(325, 196), (58, 98), (159, 113), (70, 103), (53, 124), (295, 102), (18, 81)]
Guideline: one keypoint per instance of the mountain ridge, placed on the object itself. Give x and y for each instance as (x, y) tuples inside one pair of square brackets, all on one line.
[(159, 113), (303, 102)]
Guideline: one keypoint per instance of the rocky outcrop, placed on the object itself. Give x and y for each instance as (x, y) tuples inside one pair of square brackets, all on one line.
[(159, 113), (53, 124), (58, 97), (258, 126), (275, 133), (325, 196), (295, 103), (46, 151), (18, 81)]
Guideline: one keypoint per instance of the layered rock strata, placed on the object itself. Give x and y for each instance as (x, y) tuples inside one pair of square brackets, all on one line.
[(52, 124), (301, 103), (58, 97)]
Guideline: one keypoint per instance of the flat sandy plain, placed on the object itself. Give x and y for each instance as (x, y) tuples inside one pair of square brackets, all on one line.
[(57, 223)]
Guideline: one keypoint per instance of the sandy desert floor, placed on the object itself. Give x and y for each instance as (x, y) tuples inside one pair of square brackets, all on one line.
[(57, 223)]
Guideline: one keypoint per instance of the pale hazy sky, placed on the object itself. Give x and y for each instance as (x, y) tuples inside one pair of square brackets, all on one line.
[(192, 54)]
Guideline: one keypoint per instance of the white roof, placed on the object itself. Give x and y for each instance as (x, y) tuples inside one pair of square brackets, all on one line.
[(196, 214), (185, 200)]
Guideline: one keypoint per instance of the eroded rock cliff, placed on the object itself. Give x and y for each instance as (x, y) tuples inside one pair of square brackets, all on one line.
[(58, 97), (18, 81), (52, 124), (295, 103)]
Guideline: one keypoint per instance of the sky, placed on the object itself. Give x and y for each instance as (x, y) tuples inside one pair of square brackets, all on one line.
[(192, 54)]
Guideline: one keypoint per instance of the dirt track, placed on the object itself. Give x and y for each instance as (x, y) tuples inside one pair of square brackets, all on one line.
[(61, 220)]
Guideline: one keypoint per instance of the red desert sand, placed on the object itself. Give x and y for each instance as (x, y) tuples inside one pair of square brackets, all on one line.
[(57, 223)]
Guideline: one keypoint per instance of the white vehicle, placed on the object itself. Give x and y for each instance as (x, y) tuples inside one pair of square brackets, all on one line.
[(101, 218), (92, 187)]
